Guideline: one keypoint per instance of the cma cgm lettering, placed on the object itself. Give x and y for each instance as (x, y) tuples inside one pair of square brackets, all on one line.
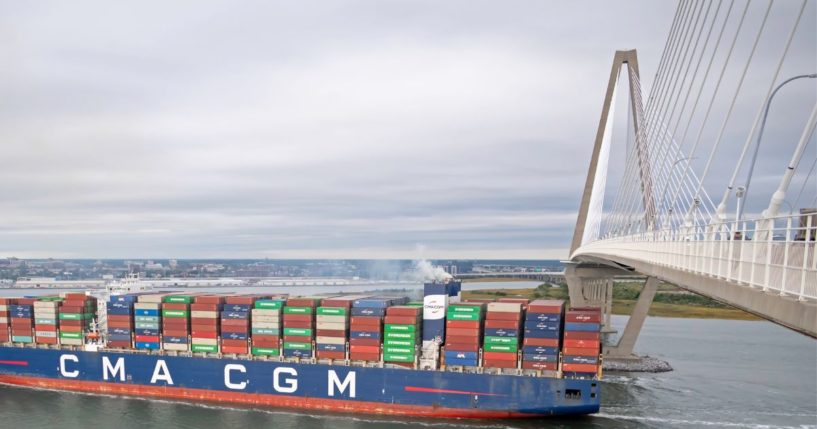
[(235, 376), (282, 384)]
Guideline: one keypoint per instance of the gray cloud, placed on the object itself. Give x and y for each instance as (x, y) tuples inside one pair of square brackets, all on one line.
[(352, 129)]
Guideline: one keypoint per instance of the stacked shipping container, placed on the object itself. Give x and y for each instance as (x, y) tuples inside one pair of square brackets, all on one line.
[(333, 327), (366, 329), (299, 327), (402, 334), (501, 343), (76, 314), (266, 327), (235, 324), (22, 320), (543, 326), (582, 341), (204, 323), (176, 322), (4, 320), (46, 319), (147, 322), (120, 321), (463, 333)]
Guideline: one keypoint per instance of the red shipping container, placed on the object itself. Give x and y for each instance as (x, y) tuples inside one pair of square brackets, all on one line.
[(124, 325), (372, 357), (330, 333), (266, 337), (174, 306), (501, 315), (234, 349), (46, 328), (236, 329), (302, 302), (401, 320), (461, 347), (208, 299), (257, 342), (64, 328), (582, 317), (501, 324), (204, 326), (173, 321), (583, 335), (365, 321), (580, 351), (460, 332), (146, 338), (119, 318), (4, 301), (582, 344), (175, 333), (45, 340), (366, 328), (332, 302), (212, 335), (499, 356), (355, 348), (579, 367), (297, 317), (364, 342), (25, 301), (492, 363), (544, 342), (124, 344), (330, 355), (233, 343), (545, 366), (547, 306), (463, 324), (4, 313), (404, 311), (299, 324), (204, 307), (245, 300), (74, 323), (297, 339), (205, 320)]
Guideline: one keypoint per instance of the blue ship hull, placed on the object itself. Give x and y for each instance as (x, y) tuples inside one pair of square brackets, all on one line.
[(299, 385)]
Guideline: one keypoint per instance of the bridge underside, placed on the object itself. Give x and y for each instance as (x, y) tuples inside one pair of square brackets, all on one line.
[(790, 312)]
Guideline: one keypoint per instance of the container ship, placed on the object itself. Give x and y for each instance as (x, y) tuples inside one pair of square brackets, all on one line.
[(441, 357)]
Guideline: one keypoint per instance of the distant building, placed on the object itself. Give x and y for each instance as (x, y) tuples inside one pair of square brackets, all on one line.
[(51, 282)]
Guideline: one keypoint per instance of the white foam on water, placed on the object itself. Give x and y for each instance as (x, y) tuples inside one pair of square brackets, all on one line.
[(683, 422)]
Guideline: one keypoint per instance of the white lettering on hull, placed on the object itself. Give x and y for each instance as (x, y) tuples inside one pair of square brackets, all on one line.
[(63, 371), (291, 383), (161, 373), (334, 381), (112, 371), (227, 379)]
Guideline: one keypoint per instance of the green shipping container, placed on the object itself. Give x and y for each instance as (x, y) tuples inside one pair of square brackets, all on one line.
[(398, 357), (399, 343), (509, 348), (464, 309), (175, 313), (269, 304), (297, 310), (264, 351), (401, 328), (72, 316), (265, 331), (403, 350), (331, 311), (298, 332), (501, 340), (400, 336), (185, 299), (297, 346), (462, 316), (199, 348), (71, 335)]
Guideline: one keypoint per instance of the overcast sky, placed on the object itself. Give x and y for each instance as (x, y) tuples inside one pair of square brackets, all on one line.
[(349, 129)]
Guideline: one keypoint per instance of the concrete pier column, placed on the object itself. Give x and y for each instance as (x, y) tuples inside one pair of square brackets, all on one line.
[(626, 343)]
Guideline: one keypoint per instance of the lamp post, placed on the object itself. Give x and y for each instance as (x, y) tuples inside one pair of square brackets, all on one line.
[(760, 133)]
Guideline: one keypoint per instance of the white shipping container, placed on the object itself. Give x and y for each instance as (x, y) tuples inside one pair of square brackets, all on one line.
[(71, 341), (330, 340), (45, 304), (265, 312), (146, 306), (266, 325), (205, 341), (265, 319), (152, 298), (331, 326), (204, 314), (175, 347), (45, 334), (331, 319), (505, 307), (4, 307)]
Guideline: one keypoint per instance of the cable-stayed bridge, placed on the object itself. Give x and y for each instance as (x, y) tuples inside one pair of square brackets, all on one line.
[(679, 209)]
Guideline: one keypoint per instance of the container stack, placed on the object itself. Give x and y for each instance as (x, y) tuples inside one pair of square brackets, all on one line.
[(543, 325), (176, 322), (332, 322), (266, 327), (46, 320), (147, 322), (299, 327), (582, 342), (204, 323), (463, 333), (120, 321), (366, 328), (4, 320), (501, 344), (402, 334), (22, 320), (235, 324), (75, 317)]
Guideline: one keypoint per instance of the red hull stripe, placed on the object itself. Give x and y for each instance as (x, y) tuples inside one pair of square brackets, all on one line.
[(14, 362), (254, 399), (456, 392)]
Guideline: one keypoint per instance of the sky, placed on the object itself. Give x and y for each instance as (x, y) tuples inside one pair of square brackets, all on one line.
[(340, 129)]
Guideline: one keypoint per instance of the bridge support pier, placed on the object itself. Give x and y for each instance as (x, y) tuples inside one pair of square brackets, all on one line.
[(626, 343)]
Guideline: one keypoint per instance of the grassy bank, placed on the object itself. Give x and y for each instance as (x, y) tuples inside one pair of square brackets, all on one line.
[(669, 301)]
